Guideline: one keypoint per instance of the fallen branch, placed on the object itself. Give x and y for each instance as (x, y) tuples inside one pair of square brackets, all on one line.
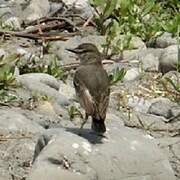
[(64, 19), (18, 137), (88, 20), (45, 27), (46, 36), (68, 67)]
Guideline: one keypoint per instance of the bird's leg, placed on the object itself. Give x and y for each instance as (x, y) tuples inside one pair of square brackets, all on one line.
[(84, 121)]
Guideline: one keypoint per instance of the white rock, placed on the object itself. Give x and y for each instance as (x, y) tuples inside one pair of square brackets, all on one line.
[(165, 40), (132, 75), (2, 52), (169, 59), (150, 62), (82, 6), (36, 10)]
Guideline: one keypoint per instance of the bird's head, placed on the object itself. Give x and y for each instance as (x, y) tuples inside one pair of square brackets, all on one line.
[(87, 53)]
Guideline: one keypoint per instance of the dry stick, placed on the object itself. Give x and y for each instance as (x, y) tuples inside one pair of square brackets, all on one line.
[(4, 104), (29, 32), (70, 66), (47, 36), (68, 21), (35, 29), (43, 40), (45, 27), (20, 137), (77, 15), (88, 20)]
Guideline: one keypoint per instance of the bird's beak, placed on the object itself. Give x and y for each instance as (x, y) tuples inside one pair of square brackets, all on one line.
[(76, 50), (71, 50)]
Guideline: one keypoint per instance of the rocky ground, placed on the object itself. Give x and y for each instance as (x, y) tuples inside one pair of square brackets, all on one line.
[(40, 117)]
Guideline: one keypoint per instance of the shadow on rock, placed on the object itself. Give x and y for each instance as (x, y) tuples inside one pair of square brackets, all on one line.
[(88, 134)]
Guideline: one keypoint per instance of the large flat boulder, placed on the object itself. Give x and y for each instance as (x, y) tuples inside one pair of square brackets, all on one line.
[(123, 153)]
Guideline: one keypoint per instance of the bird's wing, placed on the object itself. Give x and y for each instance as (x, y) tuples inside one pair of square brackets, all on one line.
[(103, 103), (85, 98)]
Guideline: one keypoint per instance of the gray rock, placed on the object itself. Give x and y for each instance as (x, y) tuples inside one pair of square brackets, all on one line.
[(138, 104), (170, 146), (67, 90), (131, 75), (16, 157), (43, 83), (80, 6), (150, 62), (12, 120), (119, 155), (2, 52), (4, 175), (165, 40), (139, 54), (36, 10), (131, 54), (169, 59), (5, 11), (43, 78), (137, 43), (146, 121), (15, 48), (152, 123), (55, 6), (163, 107), (45, 115)]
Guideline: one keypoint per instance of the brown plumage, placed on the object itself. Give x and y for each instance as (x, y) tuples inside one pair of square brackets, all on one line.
[(92, 85)]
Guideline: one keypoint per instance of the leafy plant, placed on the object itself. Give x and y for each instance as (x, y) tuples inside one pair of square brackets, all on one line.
[(7, 77), (178, 42), (37, 96), (175, 85), (34, 64), (143, 18), (7, 70), (172, 88), (6, 97), (117, 75), (104, 10), (74, 112), (115, 42), (54, 69)]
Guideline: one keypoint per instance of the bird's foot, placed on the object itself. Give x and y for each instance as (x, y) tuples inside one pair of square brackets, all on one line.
[(83, 123)]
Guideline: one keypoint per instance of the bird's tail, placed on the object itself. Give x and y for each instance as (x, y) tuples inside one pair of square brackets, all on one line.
[(98, 125)]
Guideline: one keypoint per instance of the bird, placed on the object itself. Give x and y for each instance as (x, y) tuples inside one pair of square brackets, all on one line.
[(92, 85)]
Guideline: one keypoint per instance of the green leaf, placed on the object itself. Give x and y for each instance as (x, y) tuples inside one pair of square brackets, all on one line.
[(110, 7), (126, 6), (117, 75), (175, 86), (148, 7), (97, 2), (7, 75)]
